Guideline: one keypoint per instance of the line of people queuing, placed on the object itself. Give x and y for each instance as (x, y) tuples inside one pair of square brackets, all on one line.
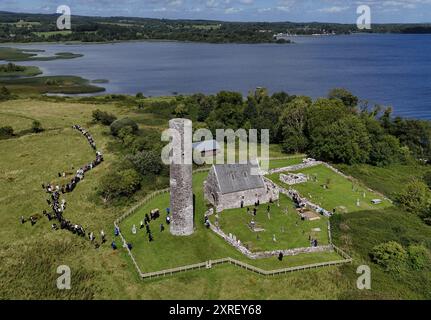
[(58, 205)]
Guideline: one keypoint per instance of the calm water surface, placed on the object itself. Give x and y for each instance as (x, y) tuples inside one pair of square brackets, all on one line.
[(385, 69)]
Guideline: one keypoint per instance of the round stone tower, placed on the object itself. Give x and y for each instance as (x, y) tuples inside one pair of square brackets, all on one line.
[(181, 191)]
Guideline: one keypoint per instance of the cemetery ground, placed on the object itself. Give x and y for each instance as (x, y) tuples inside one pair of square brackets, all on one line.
[(283, 221), (30, 255), (167, 251), (331, 190)]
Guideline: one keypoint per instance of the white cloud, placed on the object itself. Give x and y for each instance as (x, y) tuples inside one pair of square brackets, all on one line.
[(334, 9), (232, 10)]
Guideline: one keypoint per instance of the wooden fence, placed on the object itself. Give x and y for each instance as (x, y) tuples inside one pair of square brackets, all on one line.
[(139, 205), (209, 264)]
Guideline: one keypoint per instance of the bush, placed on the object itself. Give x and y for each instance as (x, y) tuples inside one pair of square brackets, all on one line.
[(117, 125), (427, 178), (103, 117), (4, 93), (36, 127), (390, 255), (385, 151), (120, 184), (419, 257), (414, 198), (146, 162), (348, 99), (6, 132)]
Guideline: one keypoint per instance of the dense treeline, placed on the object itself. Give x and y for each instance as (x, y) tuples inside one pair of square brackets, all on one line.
[(338, 128), (21, 27), (10, 67)]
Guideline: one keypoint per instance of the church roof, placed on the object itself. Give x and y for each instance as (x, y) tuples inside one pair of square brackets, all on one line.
[(237, 177), (207, 145)]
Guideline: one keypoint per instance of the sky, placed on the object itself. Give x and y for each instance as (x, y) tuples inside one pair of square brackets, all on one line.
[(343, 11)]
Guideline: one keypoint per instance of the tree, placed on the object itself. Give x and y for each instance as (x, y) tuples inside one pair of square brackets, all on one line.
[(348, 99), (292, 125), (414, 198), (119, 184), (140, 95), (117, 125), (146, 162), (419, 257), (282, 97), (385, 151), (323, 113), (427, 178), (6, 132), (229, 97), (180, 111), (345, 141), (206, 105), (386, 119), (415, 134), (103, 117), (390, 255), (36, 126), (226, 116), (250, 109), (4, 93), (260, 94)]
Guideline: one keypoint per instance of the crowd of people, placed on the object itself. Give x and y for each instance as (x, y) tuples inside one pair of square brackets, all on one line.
[(58, 205), (145, 223)]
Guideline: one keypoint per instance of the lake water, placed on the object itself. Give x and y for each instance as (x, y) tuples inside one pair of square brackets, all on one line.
[(386, 69)]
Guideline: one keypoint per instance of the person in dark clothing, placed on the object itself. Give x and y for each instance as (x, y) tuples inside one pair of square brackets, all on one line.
[(162, 227), (33, 220), (113, 245), (150, 237), (280, 256)]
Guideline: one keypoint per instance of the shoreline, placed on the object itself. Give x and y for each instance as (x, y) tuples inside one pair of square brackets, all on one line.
[(206, 42)]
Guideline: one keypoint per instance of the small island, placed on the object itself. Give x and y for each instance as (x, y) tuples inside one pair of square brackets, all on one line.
[(15, 54), (13, 70)]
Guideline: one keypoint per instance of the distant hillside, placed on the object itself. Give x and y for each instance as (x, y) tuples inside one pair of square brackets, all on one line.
[(26, 27)]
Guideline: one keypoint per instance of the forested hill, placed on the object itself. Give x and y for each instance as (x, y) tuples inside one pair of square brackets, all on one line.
[(23, 27)]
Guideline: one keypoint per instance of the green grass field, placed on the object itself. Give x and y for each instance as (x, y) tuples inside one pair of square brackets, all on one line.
[(341, 193), (386, 180), (289, 230), (167, 251), (30, 255), (280, 163)]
